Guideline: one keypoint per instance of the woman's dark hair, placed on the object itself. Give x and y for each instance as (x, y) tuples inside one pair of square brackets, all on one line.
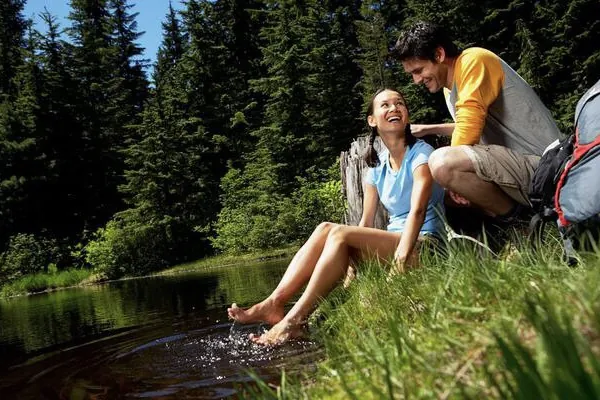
[(371, 157), (420, 41)]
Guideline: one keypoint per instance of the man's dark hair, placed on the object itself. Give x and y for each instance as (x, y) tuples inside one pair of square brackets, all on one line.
[(420, 41)]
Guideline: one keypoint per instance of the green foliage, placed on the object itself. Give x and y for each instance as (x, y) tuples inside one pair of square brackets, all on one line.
[(128, 246), (172, 47), (314, 201), (27, 254), (375, 37), (255, 216), (251, 206), (312, 102), (12, 34)]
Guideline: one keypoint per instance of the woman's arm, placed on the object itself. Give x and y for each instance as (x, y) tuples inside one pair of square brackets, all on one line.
[(370, 200), (420, 130), (421, 192)]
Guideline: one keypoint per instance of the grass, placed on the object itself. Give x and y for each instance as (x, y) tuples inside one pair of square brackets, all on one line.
[(231, 259), (40, 282), (468, 325)]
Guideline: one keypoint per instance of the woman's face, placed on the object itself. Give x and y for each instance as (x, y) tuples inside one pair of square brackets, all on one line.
[(389, 112)]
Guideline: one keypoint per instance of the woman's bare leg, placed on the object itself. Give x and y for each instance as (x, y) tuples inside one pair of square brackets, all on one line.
[(271, 310), (328, 271), (355, 256)]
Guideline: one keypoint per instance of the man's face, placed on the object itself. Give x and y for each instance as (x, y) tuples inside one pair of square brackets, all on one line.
[(425, 72)]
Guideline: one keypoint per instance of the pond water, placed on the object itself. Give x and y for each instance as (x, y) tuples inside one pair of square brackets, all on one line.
[(159, 337)]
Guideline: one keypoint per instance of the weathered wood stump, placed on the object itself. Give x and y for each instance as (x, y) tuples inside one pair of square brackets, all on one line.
[(353, 169)]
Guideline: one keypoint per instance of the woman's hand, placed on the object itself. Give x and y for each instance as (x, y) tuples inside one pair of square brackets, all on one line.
[(398, 267), (399, 263)]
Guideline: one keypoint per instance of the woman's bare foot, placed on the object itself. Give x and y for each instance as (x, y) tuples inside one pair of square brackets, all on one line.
[(265, 311), (279, 334)]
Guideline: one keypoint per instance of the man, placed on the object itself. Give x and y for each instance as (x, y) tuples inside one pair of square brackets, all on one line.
[(501, 126)]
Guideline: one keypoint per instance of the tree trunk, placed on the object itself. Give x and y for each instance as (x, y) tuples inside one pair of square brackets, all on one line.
[(353, 169)]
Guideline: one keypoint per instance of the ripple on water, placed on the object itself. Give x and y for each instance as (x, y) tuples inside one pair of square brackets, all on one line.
[(207, 363)]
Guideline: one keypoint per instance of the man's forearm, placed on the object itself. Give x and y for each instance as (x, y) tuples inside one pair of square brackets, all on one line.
[(420, 130)]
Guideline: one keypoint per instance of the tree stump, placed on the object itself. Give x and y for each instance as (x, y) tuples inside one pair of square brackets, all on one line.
[(353, 170)]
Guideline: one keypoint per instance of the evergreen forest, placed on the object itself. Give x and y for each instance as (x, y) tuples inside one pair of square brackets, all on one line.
[(230, 141)]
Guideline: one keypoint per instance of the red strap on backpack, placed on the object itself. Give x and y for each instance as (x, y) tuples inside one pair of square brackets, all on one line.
[(578, 153)]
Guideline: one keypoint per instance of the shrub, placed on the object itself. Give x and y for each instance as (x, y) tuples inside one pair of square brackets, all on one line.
[(312, 203), (128, 247), (256, 217), (26, 254)]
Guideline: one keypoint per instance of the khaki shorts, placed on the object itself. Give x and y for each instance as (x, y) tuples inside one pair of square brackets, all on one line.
[(508, 169)]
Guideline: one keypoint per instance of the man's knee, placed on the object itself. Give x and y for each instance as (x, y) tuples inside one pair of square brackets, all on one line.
[(446, 161), (440, 166)]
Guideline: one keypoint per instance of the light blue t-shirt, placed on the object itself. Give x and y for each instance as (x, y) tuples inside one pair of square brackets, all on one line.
[(395, 189)]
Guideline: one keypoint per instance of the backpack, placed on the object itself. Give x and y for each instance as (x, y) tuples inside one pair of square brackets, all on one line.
[(566, 184), (549, 170)]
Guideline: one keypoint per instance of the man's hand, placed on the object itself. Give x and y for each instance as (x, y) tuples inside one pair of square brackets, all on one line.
[(419, 130), (458, 199)]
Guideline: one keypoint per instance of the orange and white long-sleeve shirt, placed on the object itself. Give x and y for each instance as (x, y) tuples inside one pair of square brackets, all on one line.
[(491, 104)]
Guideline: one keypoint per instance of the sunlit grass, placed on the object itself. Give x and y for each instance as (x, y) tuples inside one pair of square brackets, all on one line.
[(228, 260), (466, 325), (44, 281)]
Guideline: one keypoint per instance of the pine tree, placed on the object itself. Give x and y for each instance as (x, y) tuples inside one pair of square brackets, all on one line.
[(567, 34), (112, 88), (169, 182), (222, 58), (171, 49), (374, 38), (551, 36), (60, 139), (337, 106), (129, 87), (17, 119), (292, 53), (92, 69), (173, 171), (12, 30)]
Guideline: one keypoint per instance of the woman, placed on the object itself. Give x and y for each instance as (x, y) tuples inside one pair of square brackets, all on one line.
[(401, 179)]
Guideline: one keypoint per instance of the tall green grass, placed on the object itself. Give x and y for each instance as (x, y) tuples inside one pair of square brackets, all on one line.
[(464, 325), (44, 281)]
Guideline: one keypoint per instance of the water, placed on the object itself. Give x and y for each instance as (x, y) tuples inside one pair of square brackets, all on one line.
[(160, 337)]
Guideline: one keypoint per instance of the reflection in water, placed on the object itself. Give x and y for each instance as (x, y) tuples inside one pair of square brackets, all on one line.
[(155, 337)]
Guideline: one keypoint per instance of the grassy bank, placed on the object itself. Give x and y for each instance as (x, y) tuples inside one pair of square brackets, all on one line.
[(232, 259), (41, 282), (466, 326)]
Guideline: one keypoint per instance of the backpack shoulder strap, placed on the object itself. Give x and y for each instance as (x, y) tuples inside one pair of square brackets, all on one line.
[(592, 92)]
